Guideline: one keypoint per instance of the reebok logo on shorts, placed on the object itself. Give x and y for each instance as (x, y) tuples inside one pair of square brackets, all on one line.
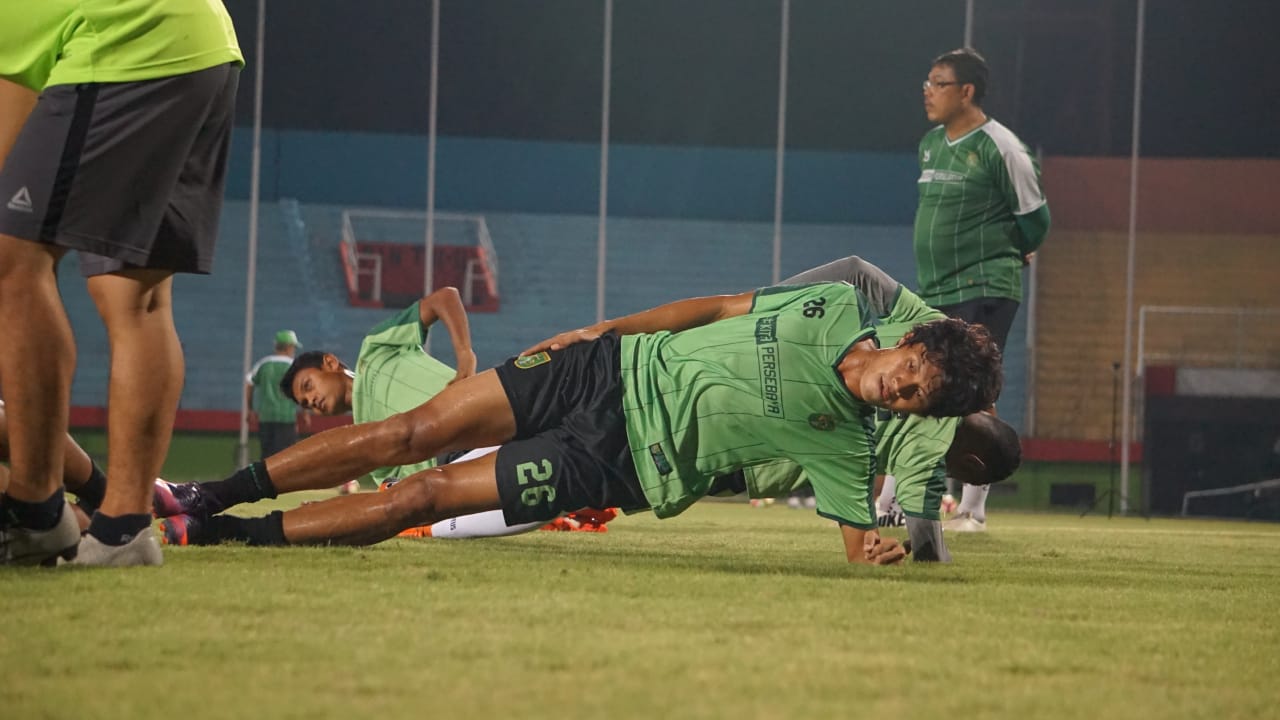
[(21, 200)]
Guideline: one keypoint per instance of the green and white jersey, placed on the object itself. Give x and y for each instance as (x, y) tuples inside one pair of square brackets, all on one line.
[(750, 389), (967, 243), (394, 375), (63, 42), (268, 399)]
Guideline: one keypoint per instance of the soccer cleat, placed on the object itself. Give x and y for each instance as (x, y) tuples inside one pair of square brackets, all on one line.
[(23, 546), (417, 531), (179, 530), (169, 499), (965, 522), (585, 520), (141, 550)]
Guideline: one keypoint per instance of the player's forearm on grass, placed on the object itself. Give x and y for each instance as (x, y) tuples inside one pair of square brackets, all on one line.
[(854, 544), (681, 315)]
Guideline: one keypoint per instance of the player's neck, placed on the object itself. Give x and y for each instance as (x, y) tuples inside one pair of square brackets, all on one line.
[(965, 122), (854, 364)]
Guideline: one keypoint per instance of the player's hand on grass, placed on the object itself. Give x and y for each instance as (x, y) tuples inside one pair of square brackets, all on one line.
[(565, 339), (885, 551), (466, 366)]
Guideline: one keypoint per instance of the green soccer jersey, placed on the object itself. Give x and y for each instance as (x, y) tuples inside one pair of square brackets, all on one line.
[(63, 42), (268, 399), (749, 389), (967, 243), (911, 448), (394, 375)]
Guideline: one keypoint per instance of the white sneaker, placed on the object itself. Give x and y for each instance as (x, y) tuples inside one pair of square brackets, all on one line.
[(21, 546), (141, 550), (965, 522)]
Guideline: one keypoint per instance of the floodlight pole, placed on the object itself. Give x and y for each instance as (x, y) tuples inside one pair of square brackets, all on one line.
[(251, 272), (429, 264), (782, 141), (1126, 434), (602, 240), (968, 23)]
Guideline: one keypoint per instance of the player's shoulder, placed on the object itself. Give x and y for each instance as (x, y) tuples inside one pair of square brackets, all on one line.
[(1001, 138)]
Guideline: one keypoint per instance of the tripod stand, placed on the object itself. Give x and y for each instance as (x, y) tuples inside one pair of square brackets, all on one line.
[(1110, 494)]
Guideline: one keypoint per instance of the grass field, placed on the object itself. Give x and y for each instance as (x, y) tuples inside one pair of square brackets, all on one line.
[(724, 612)]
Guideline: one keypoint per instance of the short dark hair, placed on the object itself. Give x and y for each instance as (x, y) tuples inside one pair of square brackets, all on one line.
[(308, 359), (970, 68), (995, 442), (971, 363)]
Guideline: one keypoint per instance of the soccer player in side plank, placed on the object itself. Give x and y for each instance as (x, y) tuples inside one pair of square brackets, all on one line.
[(642, 412)]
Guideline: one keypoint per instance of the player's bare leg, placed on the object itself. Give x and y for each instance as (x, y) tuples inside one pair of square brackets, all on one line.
[(470, 413), (36, 363), (421, 499), (147, 371)]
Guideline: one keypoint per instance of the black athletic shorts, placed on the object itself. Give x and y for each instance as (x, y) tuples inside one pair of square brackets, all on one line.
[(570, 449), (994, 312), (130, 174)]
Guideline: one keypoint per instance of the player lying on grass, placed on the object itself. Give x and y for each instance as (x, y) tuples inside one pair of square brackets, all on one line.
[(642, 413), (916, 453), (983, 450)]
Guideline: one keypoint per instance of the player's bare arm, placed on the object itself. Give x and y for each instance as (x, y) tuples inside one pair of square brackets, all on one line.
[(446, 306), (866, 547), (675, 316)]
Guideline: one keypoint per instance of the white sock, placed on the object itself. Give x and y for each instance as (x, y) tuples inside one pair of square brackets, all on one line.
[(887, 494), (485, 524), (974, 501)]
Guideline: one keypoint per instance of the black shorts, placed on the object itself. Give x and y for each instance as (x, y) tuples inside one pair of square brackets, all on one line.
[(995, 313), (570, 449), (130, 174)]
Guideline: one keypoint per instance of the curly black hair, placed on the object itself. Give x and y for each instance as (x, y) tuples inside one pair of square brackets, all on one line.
[(971, 364), (308, 359)]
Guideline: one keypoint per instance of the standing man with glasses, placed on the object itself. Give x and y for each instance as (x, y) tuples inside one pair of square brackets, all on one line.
[(982, 214)]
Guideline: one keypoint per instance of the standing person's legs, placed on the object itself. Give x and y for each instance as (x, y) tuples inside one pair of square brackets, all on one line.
[(37, 359), (130, 175), (275, 437), (147, 371), (997, 315)]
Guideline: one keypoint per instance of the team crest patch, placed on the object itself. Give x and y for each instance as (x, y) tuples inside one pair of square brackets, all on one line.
[(822, 421), (531, 361), (972, 159)]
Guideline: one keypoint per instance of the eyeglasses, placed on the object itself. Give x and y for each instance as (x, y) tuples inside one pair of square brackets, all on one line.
[(931, 85)]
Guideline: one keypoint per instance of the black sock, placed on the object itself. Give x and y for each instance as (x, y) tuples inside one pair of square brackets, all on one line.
[(40, 515), (113, 530), (259, 531), (249, 484), (89, 495)]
